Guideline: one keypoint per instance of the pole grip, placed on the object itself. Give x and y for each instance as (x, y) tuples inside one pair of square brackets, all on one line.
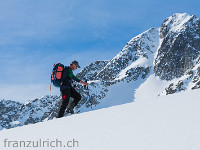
[(85, 85)]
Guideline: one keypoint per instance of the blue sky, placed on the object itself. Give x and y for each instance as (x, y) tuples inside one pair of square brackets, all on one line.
[(36, 34)]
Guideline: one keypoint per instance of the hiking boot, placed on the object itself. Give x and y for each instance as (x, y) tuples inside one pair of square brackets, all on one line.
[(70, 108), (70, 111)]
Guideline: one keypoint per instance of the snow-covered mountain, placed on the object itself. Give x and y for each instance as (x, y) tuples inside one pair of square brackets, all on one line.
[(159, 61), (17, 114)]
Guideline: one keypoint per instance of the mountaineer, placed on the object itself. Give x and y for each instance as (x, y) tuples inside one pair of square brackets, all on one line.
[(67, 90)]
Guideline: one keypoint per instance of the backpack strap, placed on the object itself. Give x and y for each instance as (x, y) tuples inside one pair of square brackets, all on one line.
[(64, 69)]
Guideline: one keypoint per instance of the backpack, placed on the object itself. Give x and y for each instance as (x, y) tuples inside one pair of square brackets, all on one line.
[(57, 74)]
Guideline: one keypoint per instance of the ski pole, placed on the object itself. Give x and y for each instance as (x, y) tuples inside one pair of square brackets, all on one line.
[(88, 90)]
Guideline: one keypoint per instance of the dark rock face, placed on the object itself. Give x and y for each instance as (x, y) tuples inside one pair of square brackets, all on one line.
[(134, 73), (180, 46), (189, 81)]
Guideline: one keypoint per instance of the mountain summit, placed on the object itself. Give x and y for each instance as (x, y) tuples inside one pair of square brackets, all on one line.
[(180, 46)]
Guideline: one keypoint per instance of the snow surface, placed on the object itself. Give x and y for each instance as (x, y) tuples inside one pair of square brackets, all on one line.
[(163, 123), (151, 88)]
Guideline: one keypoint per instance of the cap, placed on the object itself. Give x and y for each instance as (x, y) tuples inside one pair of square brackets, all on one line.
[(76, 63)]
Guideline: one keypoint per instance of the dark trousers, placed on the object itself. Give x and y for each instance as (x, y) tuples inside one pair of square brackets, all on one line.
[(66, 94)]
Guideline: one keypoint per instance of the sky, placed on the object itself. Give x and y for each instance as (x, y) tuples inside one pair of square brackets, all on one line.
[(36, 34)]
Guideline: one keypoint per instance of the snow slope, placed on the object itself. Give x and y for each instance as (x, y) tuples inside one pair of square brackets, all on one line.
[(164, 123)]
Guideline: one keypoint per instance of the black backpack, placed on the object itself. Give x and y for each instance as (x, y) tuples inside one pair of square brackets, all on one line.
[(57, 74)]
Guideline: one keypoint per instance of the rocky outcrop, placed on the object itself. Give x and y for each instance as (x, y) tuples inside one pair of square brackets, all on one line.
[(90, 72), (189, 81), (180, 46), (8, 113), (15, 114)]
